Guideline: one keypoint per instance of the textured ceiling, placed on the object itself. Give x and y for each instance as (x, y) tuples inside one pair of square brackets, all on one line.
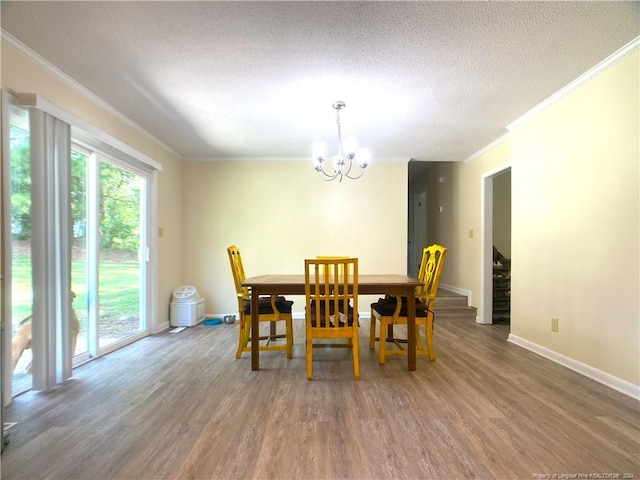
[(434, 81)]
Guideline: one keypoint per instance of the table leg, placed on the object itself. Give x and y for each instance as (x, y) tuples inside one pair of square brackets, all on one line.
[(411, 329), (255, 330)]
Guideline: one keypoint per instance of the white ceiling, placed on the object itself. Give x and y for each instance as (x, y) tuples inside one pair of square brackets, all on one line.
[(432, 81)]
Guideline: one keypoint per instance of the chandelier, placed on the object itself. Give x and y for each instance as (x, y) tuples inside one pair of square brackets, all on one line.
[(347, 156)]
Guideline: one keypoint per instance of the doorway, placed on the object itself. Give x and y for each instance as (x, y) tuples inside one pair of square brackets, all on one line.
[(417, 231), (417, 225), (496, 247)]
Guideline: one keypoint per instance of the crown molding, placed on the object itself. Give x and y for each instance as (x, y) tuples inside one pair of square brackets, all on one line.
[(615, 57), (629, 48), (79, 88), (484, 150)]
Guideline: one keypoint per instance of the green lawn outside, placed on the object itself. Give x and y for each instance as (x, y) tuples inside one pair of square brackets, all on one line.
[(118, 293)]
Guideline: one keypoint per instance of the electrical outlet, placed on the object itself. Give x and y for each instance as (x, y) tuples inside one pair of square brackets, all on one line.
[(554, 325)]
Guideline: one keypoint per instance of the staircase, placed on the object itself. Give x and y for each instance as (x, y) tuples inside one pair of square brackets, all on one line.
[(453, 305)]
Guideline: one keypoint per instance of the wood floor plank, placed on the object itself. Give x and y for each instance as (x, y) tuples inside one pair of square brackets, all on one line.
[(180, 406)]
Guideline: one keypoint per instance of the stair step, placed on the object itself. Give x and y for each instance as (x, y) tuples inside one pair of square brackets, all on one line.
[(453, 305), (468, 313), (451, 301), (447, 298)]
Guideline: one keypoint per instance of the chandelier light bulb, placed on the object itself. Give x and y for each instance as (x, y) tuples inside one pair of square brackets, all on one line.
[(351, 147), (319, 149), (364, 155)]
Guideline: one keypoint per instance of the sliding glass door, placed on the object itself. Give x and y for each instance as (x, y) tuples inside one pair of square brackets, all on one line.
[(109, 266), (93, 247)]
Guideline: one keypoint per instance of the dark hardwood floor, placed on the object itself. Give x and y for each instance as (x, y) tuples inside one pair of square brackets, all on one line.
[(180, 406)]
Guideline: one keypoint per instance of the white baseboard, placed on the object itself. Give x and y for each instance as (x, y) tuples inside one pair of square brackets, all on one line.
[(610, 381), (461, 291), (160, 327)]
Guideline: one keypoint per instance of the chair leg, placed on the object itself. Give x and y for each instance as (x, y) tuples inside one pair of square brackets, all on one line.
[(390, 332), (309, 358), (382, 344), (272, 331), (419, 346), (356, 356), (429, 335), (289, 331), (243, 335), (372, 331)]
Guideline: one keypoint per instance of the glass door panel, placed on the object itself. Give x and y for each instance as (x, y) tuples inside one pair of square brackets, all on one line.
[(79, 254), (21, 279), (119, 269)]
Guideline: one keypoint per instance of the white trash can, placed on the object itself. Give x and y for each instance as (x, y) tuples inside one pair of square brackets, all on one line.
[(187, 307)]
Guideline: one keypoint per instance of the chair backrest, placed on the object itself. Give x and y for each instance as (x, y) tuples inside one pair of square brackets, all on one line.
[(333, 257), (238, 272), (331, 290), (430, 270)]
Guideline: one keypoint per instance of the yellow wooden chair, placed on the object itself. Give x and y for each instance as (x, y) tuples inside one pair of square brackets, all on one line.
[(271, 309), (332, 306), (393, 310)]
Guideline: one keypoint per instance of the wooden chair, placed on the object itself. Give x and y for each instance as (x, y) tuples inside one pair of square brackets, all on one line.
[(393, 310), (271, 309), (331, 291)]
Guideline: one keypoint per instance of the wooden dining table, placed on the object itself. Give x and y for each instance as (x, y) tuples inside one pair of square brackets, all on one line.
[(293, 284)]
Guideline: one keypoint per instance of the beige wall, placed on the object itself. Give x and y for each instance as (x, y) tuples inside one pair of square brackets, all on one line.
[(575, 224), (170, 244), (279, 213), (21, 75)]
